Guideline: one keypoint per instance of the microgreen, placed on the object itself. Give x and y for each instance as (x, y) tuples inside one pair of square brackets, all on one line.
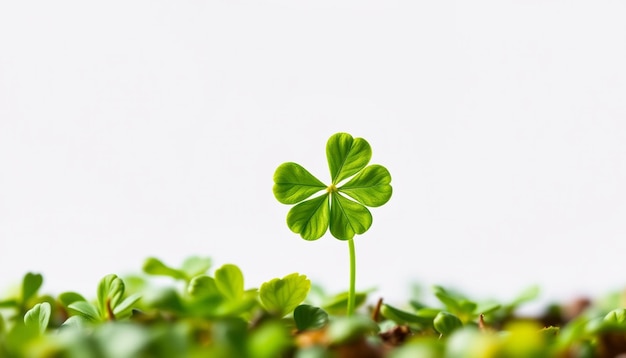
[(111, 302), (342, 205), (282, 296)]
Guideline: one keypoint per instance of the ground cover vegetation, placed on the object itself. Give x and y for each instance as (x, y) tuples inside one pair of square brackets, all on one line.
[(193, 310)]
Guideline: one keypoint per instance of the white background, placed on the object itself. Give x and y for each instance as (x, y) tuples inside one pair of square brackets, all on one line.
[(152, 128)]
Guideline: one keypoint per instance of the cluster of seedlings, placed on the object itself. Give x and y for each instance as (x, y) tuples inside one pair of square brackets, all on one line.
[(200, 312)]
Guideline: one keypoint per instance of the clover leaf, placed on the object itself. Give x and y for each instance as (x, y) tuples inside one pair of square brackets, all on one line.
[(340, 207)]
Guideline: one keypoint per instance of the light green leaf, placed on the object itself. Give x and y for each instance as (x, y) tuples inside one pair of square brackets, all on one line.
[(281, 296), (293, 183), (75, 322), (346, 155), (348, 218), (30, 285), (110, 293), (403, 317), (229, 281), (202, 286), (370, 186), (37, 318), (154, 266), (67, 298), (449, 299), (195, 265), (85, 309), (310, 218), (446, 322), (309, 317), (124, 309)]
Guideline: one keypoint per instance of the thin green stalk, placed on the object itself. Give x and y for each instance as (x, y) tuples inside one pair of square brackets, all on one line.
[(352, 291)]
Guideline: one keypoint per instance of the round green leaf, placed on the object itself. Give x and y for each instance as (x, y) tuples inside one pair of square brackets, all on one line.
[(229, 281), (348, 218), (346, 155), (370, 186), (310, 218), (293, 183), (446, 323), (309, 317), (30, 285), (281, 296), (203, 286)]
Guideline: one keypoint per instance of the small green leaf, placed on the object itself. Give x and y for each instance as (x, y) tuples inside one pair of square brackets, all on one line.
[(202, 286), (154, 266), (30, 285), (309, 317), (348, 218), (310, 218), (346, 155), (454, 302), (229, 281), (293, 183), (370, 186), (403, 317), (76, 322), (85, 309), (445, 322), (37, 318), (124, 308), (194, 266), (110, 293), (281, 296), (67, 298)]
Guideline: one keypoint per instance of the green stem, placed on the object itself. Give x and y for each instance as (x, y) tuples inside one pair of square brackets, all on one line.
[(352, 292)]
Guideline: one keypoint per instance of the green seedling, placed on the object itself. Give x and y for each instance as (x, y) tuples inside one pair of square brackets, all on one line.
[(342, 204), (282, 296), (111, 303), (191, 267)]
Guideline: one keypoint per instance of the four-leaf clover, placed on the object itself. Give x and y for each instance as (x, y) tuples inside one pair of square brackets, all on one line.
[(342, 206)]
